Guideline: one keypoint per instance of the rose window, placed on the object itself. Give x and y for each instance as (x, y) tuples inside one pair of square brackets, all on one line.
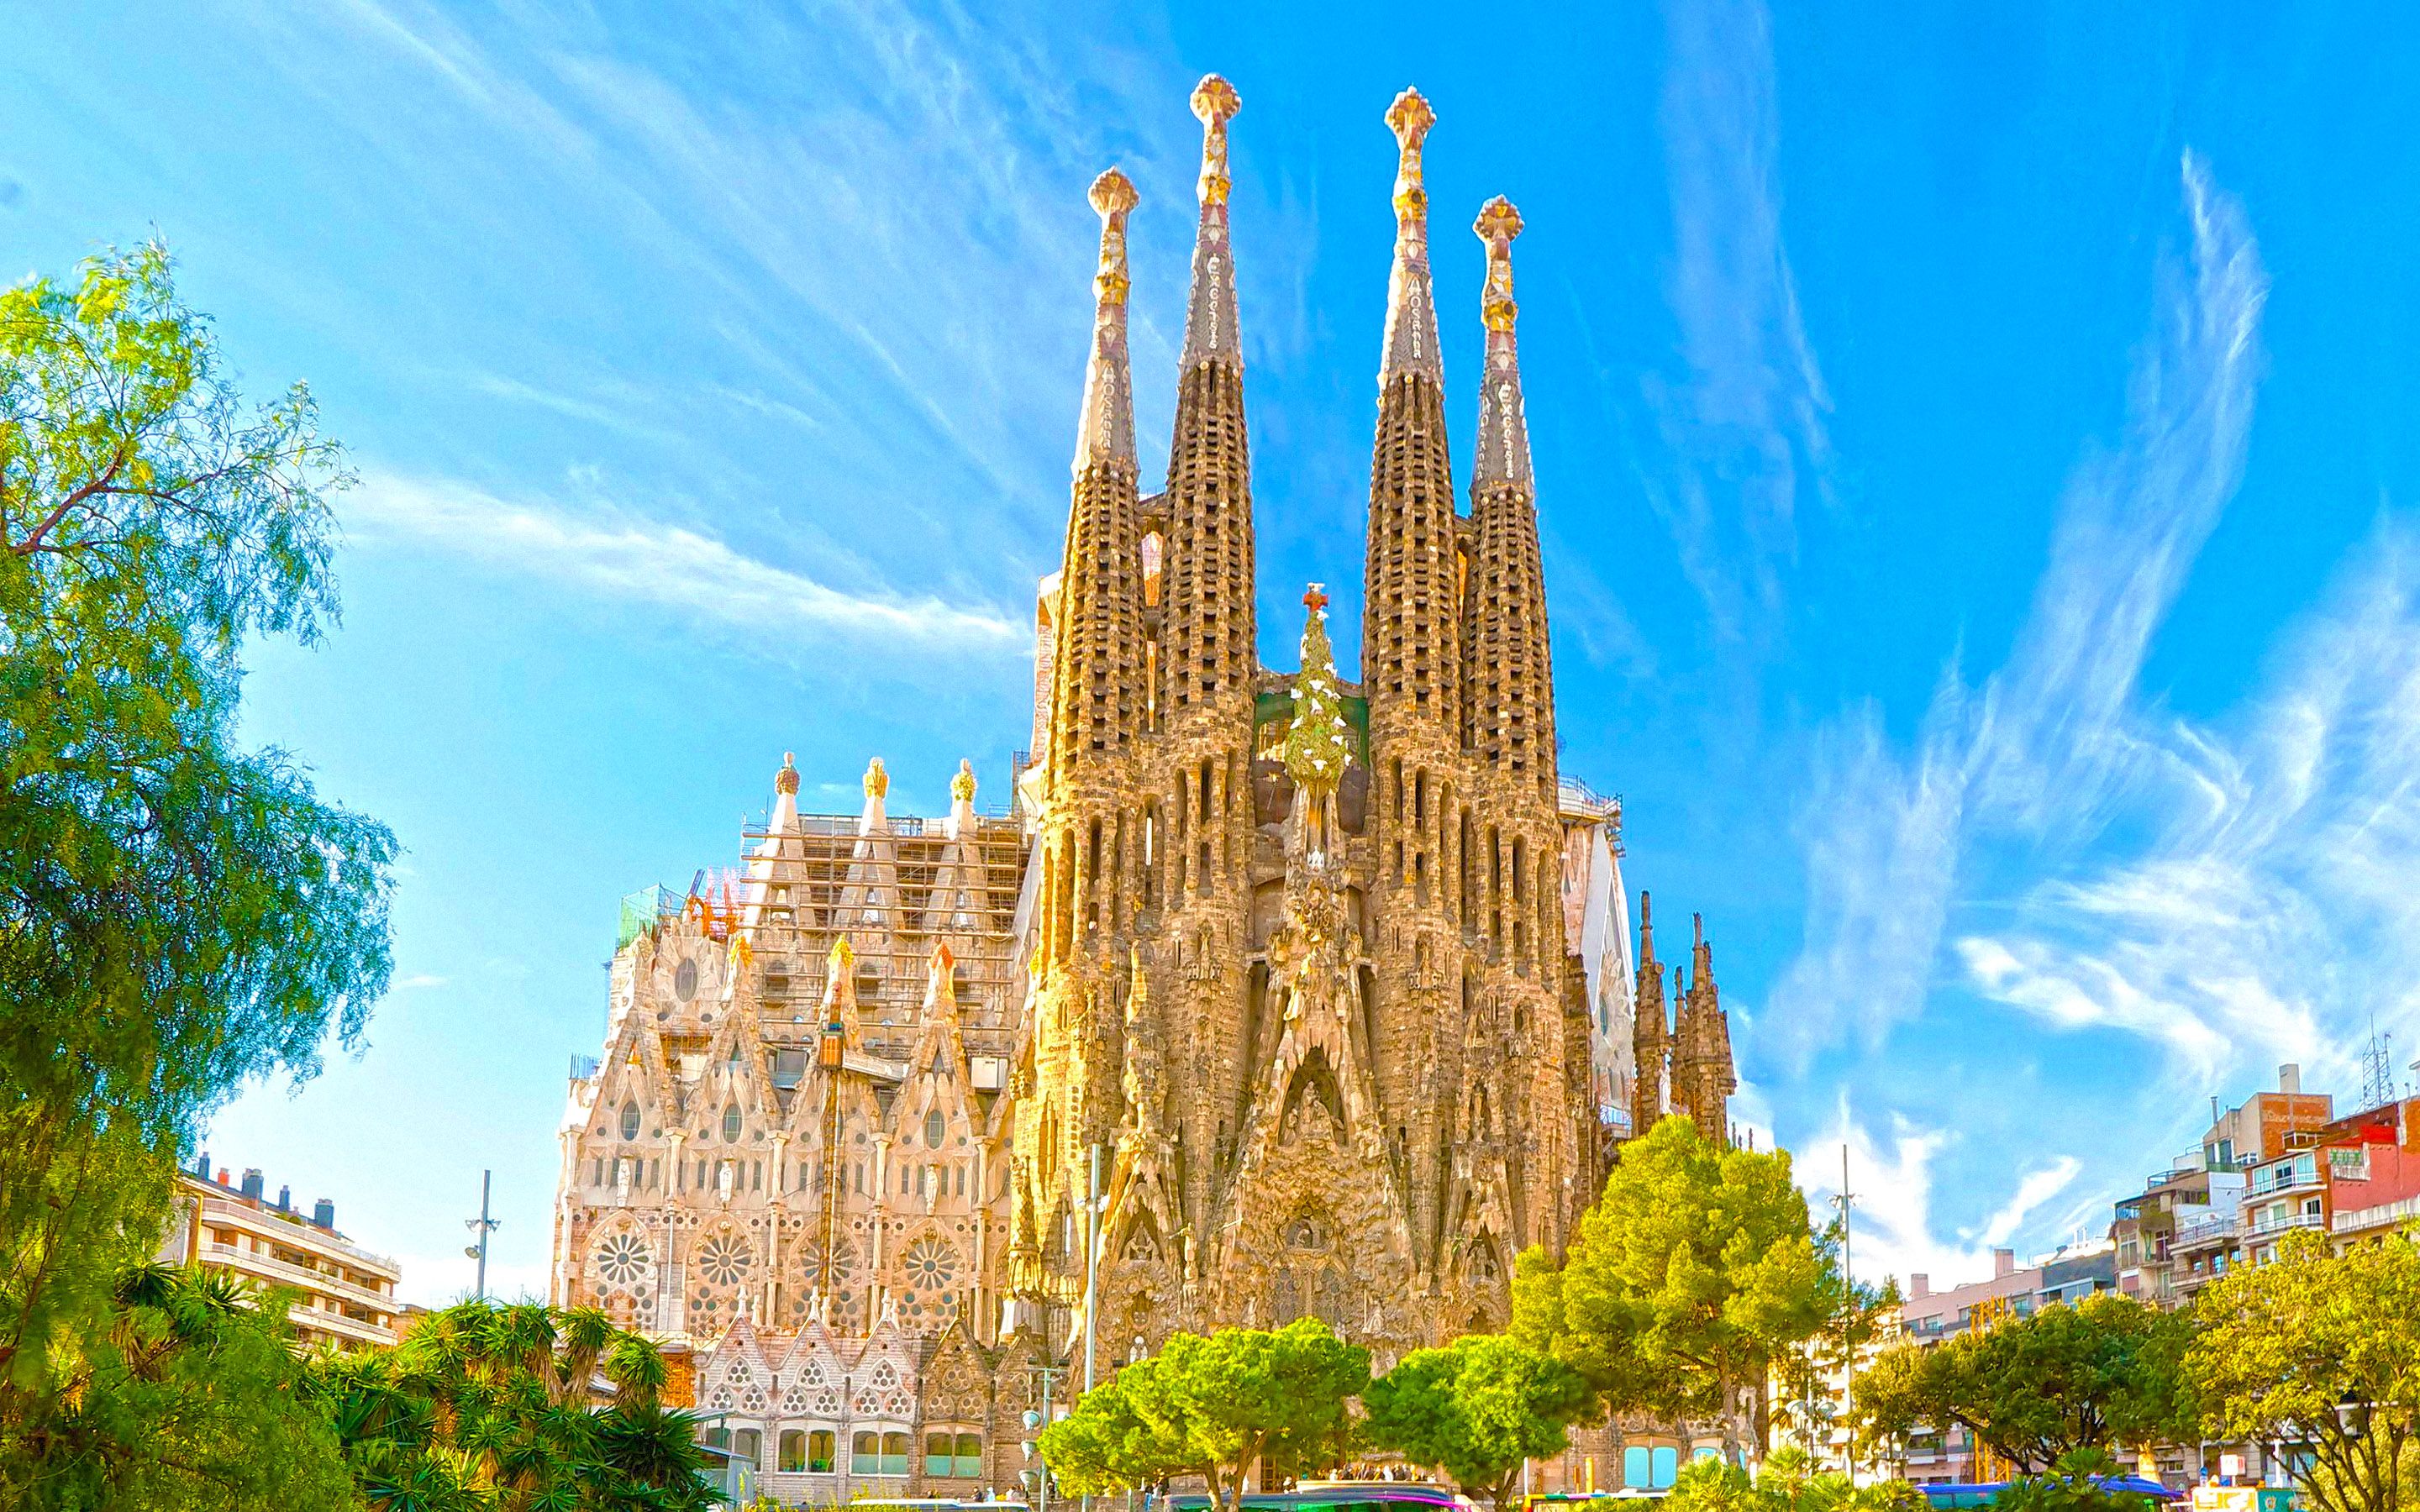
[(931, 1266), (623, 1260), (724, 1259), (817, 1274)]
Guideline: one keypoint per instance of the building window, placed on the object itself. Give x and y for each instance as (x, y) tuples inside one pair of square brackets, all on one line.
[(1654, 1469), (895, 1454), (731, 1123), (684, 981), (934, 1131), (748, 1445), (969, 1454), (819, 1451), (630, 1120), (794, 1449), (865, 1454), (939, 1459)]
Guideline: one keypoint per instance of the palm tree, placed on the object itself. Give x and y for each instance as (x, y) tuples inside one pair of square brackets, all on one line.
[(493, 1408)]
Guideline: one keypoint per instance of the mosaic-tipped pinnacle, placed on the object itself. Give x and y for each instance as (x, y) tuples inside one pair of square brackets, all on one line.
[(1112, 194), (1215, 100), (1409, 117)]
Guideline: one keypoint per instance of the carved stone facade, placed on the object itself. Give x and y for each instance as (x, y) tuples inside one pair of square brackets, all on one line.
[(1324, 988)]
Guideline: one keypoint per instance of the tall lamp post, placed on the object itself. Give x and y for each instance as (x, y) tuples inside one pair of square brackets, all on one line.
[(482, 1226)]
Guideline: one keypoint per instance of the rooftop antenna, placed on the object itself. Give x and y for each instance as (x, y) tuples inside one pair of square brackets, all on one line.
[(2378, 1067)]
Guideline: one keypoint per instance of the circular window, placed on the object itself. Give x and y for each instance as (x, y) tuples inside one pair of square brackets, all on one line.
[(723, 1260), (622, 1261), (931, 1265), (629, 1120), (684, 981), (731, 1124), (822, 1276)]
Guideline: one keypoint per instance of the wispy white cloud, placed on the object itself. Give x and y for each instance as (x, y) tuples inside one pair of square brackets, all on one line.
[(866, 214), (2038, 1187), (572, 406), (2273, 911), (624, 557), (1744, 425), (2040, 756), (1895, 1229), (1890, 1177)]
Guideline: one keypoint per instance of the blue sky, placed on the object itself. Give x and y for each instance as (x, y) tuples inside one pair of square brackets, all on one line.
[(1975, 455)]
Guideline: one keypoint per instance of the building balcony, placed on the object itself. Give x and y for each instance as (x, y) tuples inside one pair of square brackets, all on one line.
[(2291, 1177), (2278, 1224), (269, 1268), (2208, 1230), (2380, 1216)]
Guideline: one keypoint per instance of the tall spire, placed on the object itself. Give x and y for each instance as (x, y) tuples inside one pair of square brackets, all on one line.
[(1095, 703), (1506, 675), (1210, 313), (1503, 428), (1207, 645), (1411, 609), (1411, 305), (1106, 433)]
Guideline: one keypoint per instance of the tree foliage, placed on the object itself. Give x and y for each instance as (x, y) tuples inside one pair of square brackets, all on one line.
[(2323, 1350), (489, 1407), (2105, 1370), (1788, 1481), (2080, 1481), (1687, 1276), (1210, 1407), (188, 1395), (1479, 1410), (1805, 1372), (177, 913)]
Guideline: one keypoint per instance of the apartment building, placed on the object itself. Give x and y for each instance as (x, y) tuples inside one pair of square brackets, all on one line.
[(2372, 1172), (2246, 1183), (1928, 1317), (343, 1294)]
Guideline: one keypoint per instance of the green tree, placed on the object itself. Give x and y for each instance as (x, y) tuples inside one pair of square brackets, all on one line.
[(2106, 1370), (177, 915), (1479, 1409), (1211, 1407), (1788, 1481), (2321, 1350), (2076, 1483), (1807, 1372), (490, 1408), (1694, 1269), (188, 1395)]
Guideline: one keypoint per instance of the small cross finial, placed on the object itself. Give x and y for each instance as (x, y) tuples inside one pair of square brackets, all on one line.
[(1409, 117), (1315, 599)]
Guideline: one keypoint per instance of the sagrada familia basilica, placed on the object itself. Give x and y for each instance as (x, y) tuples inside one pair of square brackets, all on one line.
[(1268, 994)]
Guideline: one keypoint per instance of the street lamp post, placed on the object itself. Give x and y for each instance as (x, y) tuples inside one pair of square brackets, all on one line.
[(482, 1226)]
